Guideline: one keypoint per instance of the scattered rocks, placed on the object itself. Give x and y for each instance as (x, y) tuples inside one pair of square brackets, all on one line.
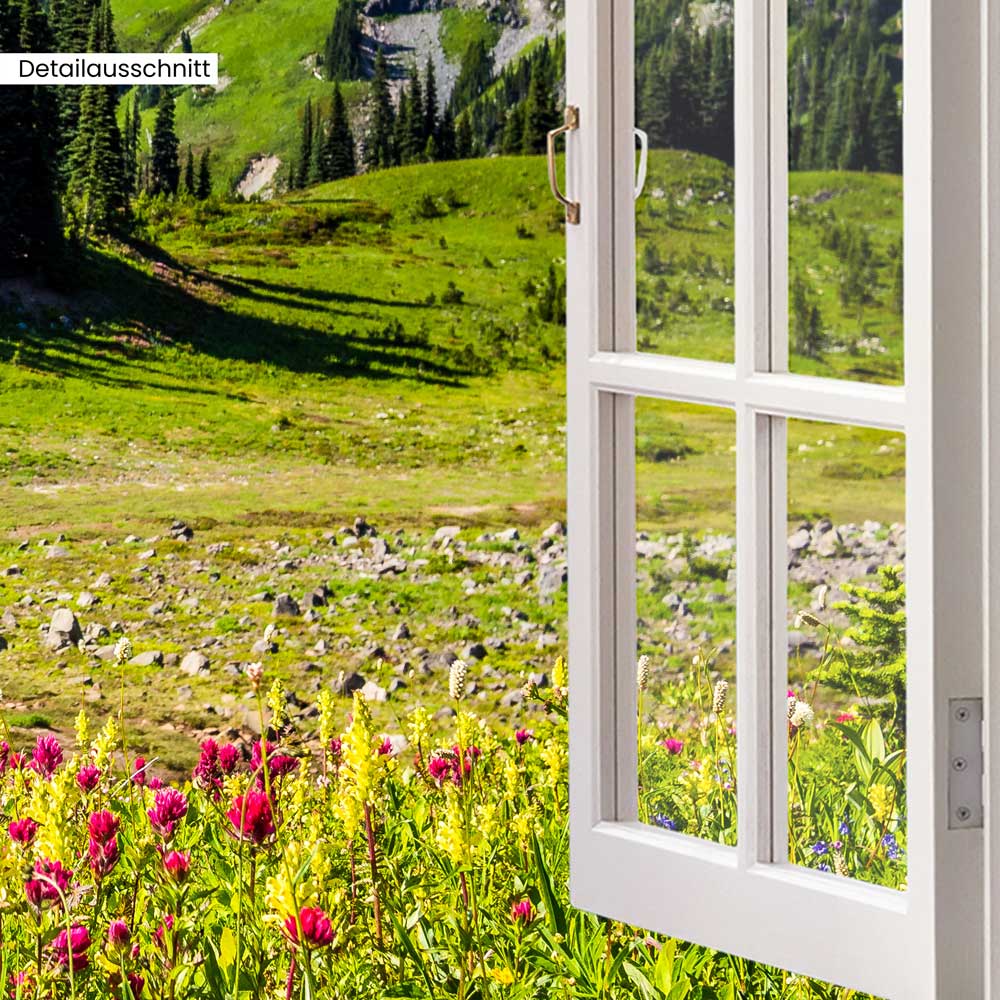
[(150, 658), (64, 630), (285, 606), (347, 684), (195, 664), (551, 580), (373, 692)]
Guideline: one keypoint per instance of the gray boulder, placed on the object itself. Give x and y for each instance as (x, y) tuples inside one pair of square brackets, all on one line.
[(195, 665), (64, 630), (285, 606)]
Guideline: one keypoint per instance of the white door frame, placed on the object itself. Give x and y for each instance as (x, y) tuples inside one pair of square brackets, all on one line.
[(927, 942)]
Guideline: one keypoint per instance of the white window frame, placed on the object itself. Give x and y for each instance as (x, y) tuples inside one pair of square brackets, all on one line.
[(930, 941)]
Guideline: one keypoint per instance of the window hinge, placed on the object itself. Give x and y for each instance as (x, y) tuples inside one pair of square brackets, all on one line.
[(965, 763)]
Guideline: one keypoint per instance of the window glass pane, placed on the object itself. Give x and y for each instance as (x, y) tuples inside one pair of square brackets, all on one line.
[(686, 549), (847, 651), (684, 217), (845, 231)]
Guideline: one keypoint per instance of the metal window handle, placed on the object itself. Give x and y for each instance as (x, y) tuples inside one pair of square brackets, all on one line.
[(571, 123), (640, 181)]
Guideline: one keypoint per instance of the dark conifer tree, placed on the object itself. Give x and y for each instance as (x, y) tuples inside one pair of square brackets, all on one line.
[(97, 190), (887, 127), (416, 137), (512, 141), (463, 138), (342, 51), (401, 134), (718, 109), (204, 189), (379, 140), (540, 113), (190, 184), (186, 45), (475, 75), (164, 165), (338, 144), (431, 124), (305, 154), (30, 221), (446, 135)]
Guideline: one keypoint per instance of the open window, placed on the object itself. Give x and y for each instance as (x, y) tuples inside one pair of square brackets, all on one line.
[(630, 375)]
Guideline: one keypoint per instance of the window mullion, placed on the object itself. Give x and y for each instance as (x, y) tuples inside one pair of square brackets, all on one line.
[(754, 448)]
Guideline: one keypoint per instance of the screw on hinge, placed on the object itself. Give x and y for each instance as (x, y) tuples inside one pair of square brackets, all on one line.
[(962, 714), (963, 813), (959, 763)]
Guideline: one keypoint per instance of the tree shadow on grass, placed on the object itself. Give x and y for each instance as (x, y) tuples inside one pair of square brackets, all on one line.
[(195, 308)]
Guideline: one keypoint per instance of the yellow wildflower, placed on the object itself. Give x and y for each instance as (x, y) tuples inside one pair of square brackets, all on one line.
[(880, 796)]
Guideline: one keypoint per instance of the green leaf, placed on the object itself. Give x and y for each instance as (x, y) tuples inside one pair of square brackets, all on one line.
[(639, 980), (663, 972), (554, 910), (874, 741)]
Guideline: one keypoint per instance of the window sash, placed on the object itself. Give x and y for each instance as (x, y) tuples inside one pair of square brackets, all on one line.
[(749, 900)]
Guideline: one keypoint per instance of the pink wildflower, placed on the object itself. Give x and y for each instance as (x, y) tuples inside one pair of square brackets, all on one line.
[(47, 757), (252, 817), (22, 831), (229, 758), (673, 746), (119, 936), (49, 885), (522, 912), (88, 777), (70, 948), (169, 808), (177, 864), (317, 931), (523, 736)]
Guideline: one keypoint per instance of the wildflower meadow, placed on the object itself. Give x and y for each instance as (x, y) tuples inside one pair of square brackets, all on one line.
[(341, 863)]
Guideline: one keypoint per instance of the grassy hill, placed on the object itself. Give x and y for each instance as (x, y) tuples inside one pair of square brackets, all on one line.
[(285, 329), (267, 59), (268, 372)]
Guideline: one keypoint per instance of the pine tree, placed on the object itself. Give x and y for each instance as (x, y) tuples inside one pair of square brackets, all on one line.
[(475, 75), (315, 175), (431, 124), (807, 333), (873, 667), (887, 127), (97, 188), (342, 51), (401, 132), (463, 138), (446, 139), (186, 45), (379, 140), (189, 175), (131, 147), (540, 113), (718, 106), (31, 233), (338, 143), (416, 138), (164, 167), (70, 22), (656, 117), (304, 157), (512, 142), (204, 189)]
